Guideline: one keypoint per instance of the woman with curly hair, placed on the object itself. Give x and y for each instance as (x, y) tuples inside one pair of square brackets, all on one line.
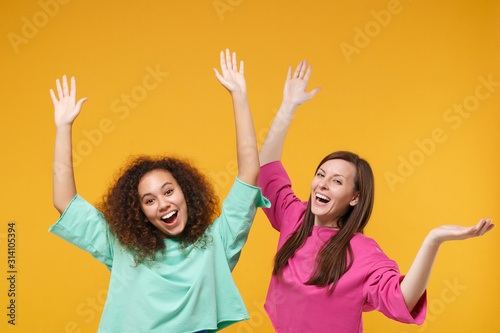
[(126, 203), (154, 230), (326, 272)]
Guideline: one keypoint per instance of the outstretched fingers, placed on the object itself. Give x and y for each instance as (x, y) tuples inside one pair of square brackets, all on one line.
[(308, 73), (64, 90), (483, 227), (296, 74), (289, 75), (456, 232), (73, 87), (235, 64), (242, 66), (218, 75), (53, 96), (229, 76), (302, 72), (229, 63), (59, 89), (65, 86), (222, 61), (66, 108), (303, 69)]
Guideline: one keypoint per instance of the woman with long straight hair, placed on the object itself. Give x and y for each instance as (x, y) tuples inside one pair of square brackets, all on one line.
[(326, 272)]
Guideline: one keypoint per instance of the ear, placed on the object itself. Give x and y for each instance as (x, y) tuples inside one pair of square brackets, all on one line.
[(354, 199)]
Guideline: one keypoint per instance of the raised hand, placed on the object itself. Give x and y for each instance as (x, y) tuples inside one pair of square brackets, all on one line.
[(415, 281), (232, 79), (66, 109), (455, 232), (296, 85)]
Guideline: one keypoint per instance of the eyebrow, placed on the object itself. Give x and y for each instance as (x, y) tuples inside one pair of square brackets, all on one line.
[(164, 184), (335, 174)]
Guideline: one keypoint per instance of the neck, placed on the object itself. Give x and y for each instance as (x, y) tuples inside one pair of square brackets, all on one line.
[(332, 224)]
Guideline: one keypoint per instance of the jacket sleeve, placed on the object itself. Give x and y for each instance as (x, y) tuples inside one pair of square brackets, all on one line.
[(277, 187), (383, 292), (238, 212), (84, 226)]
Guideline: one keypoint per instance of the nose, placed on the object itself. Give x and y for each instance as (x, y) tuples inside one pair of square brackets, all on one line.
[(163, 204), (322, 184)]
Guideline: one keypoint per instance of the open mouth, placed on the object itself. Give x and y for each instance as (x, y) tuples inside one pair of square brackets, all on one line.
[(320, 198), (170, 217)]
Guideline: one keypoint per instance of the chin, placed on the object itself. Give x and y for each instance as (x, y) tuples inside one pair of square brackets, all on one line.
[(177, 234)]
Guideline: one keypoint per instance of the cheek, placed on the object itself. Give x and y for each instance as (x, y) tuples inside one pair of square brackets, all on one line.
[(313, 185), (184, 207), (181, 201), (348, 198), (146, 210)]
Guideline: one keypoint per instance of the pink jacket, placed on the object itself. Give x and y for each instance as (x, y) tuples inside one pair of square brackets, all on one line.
[(372, 283)]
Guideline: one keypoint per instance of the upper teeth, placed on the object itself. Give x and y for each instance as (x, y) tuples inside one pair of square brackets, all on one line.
[(168, 215), (321, 196)]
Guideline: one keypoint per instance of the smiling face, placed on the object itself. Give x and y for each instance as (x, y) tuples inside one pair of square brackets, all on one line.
[(162, 201), (332, 192)]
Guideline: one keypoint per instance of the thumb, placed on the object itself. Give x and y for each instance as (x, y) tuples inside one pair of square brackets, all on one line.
[(218, 76), (79, 104), (314, 91)]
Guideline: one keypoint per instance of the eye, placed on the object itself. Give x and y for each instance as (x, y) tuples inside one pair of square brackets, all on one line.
[(169, 191), (319, 174), (149, 201), (336, 181)]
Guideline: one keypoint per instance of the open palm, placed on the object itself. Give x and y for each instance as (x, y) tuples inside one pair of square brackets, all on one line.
[(456, 232), (232, 79), (296, 85), (66, 109)]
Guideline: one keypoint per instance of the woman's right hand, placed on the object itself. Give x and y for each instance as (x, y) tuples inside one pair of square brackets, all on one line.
[(296, 84), (65, 109), (231, 78)]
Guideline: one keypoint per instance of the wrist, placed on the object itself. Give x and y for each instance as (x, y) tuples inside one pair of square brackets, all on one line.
[(240, 94), (64, 127), (289, 104), (433, 240), (288, 108)]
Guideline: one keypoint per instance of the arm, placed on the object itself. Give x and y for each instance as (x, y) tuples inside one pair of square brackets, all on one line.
[(65, 112), (246, 142), (415, 281), (294, 94)]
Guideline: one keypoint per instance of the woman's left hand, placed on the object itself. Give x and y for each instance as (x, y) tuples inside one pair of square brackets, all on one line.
[(455, 232), (232, 79)]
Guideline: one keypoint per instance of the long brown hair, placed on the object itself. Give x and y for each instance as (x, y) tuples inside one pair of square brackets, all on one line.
[(335, 257), (128, 223)]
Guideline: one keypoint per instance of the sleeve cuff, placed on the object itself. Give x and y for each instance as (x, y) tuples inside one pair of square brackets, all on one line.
[(250, 190), (417, 315), (53, 228)]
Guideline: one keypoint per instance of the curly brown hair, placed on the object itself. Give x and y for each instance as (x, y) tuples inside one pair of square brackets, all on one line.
[(122, 209)]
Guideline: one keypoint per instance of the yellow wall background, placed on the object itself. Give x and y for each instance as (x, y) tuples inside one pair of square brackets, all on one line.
[(394, 76)]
